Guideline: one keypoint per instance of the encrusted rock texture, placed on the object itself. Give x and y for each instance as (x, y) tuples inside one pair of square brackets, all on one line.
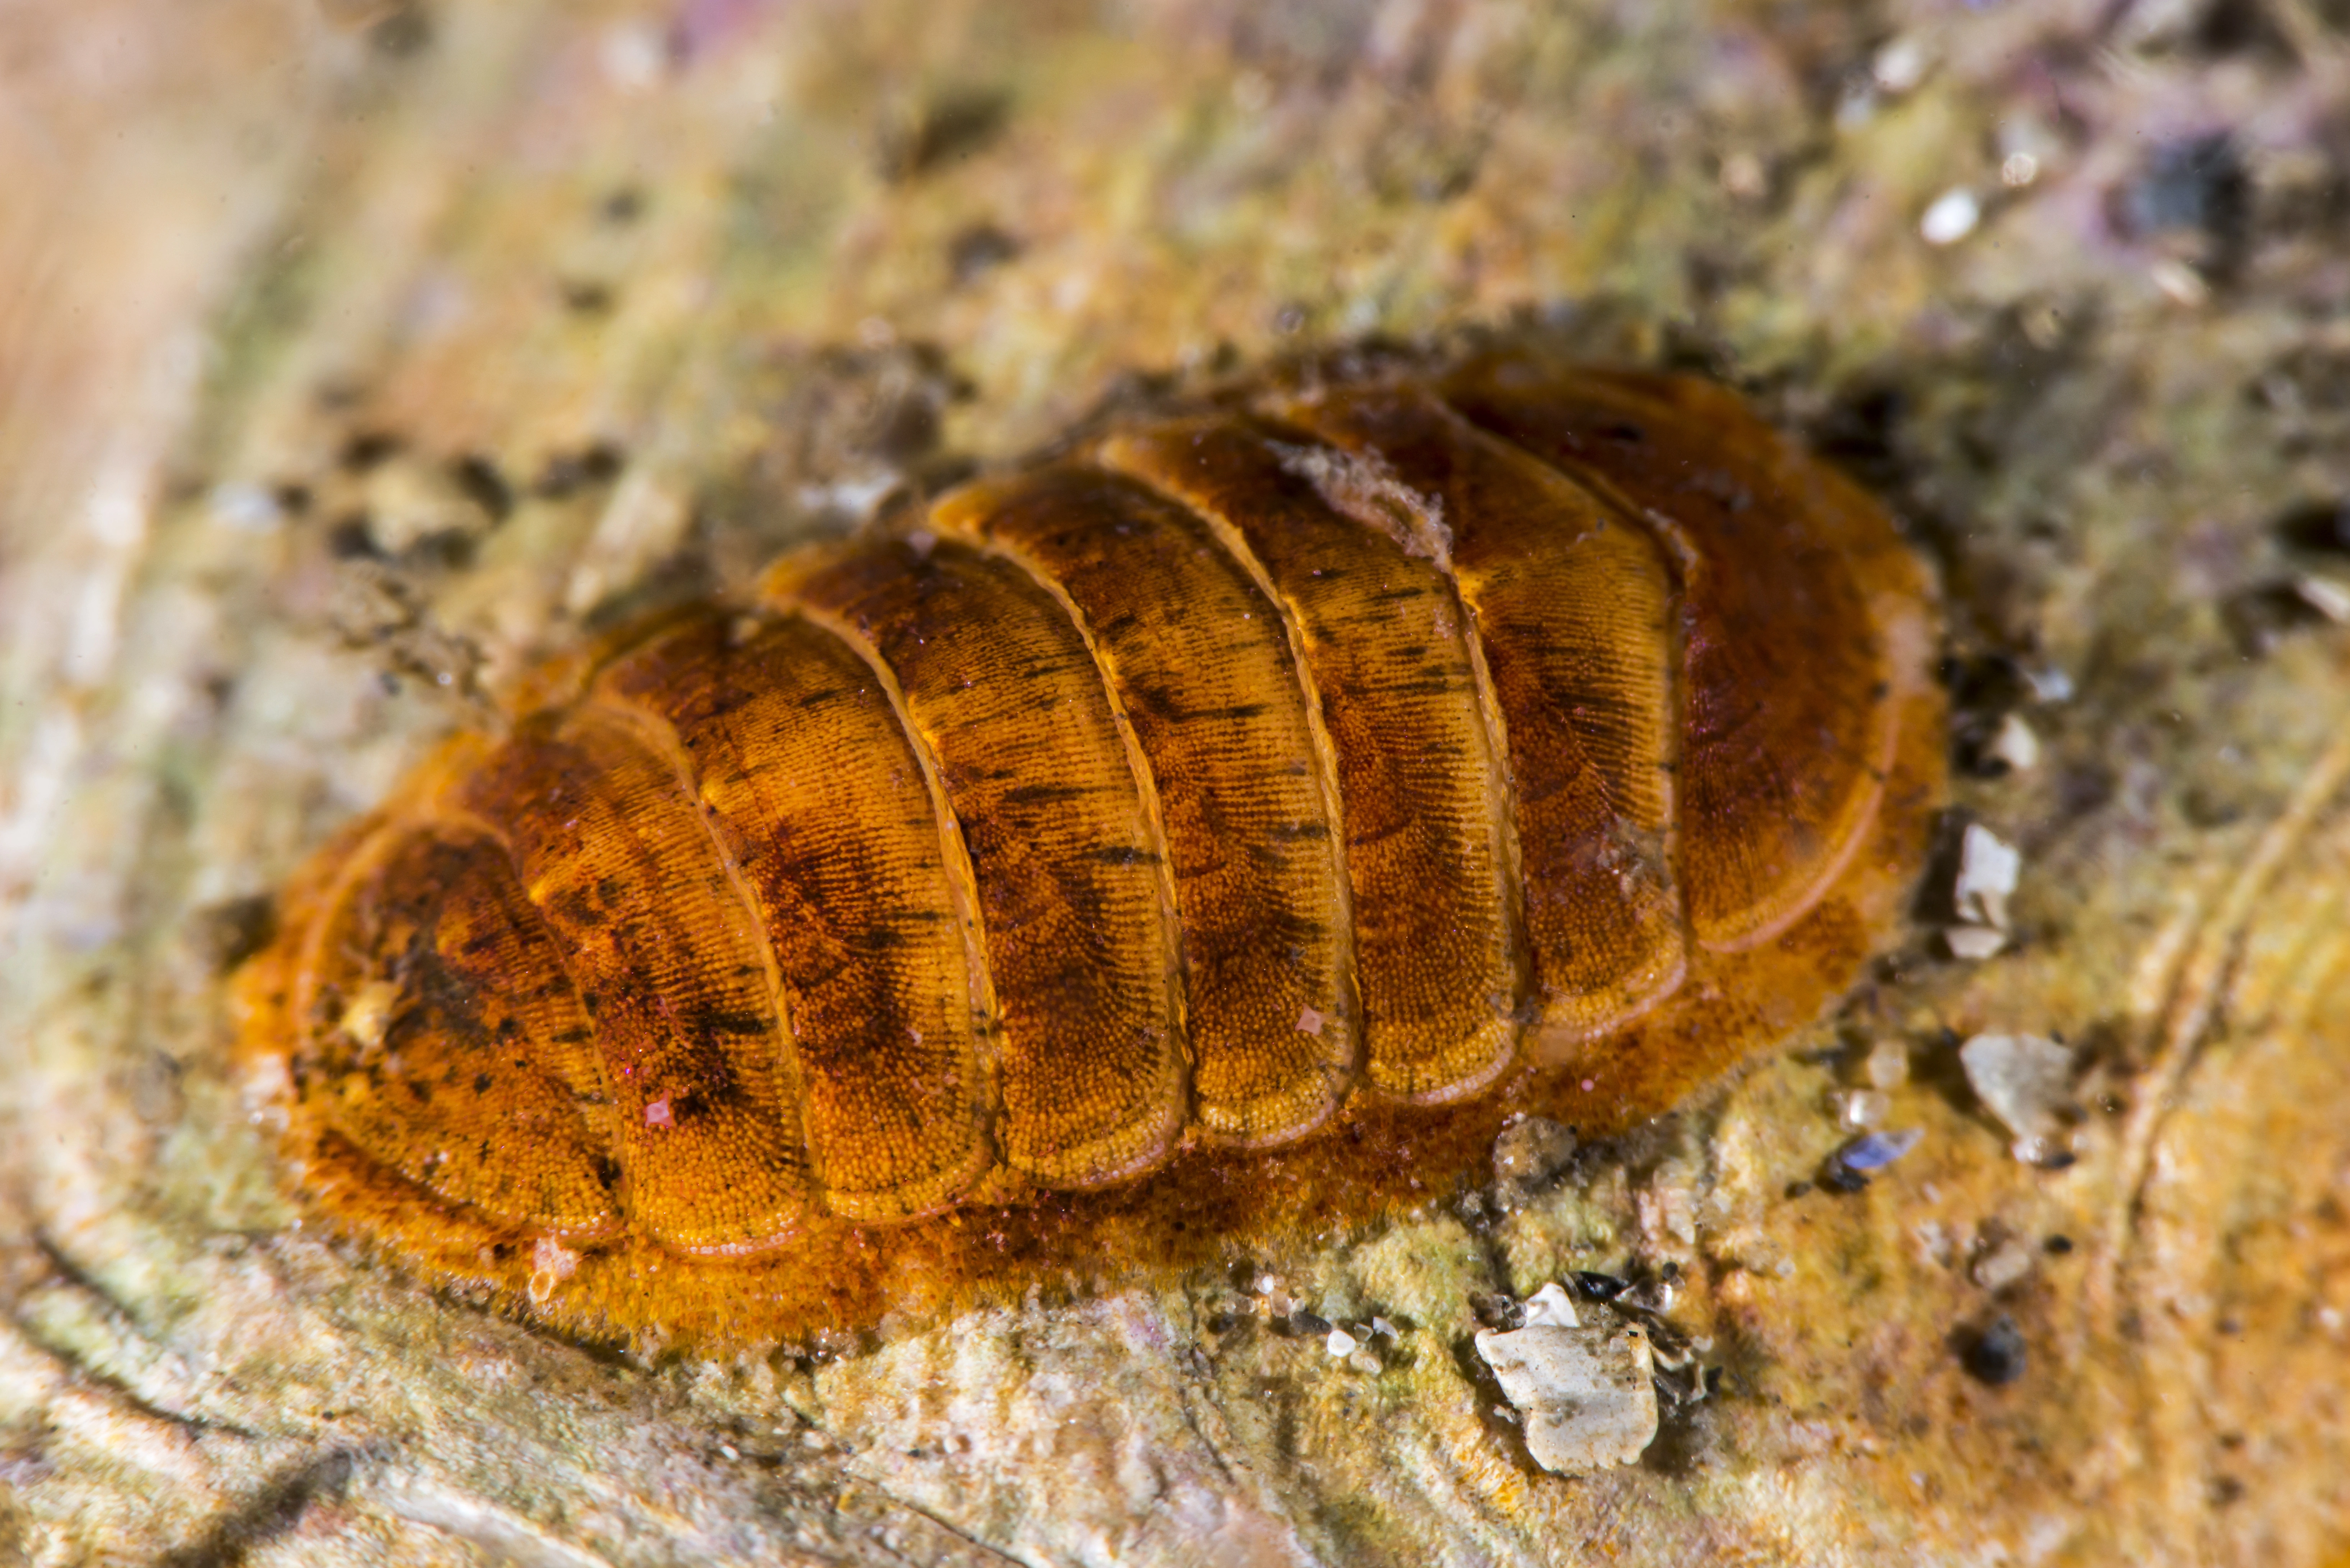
[(353, 357)]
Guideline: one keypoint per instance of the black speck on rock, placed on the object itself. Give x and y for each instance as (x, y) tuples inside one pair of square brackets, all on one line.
[(1837, 1176), (1996, 1357), (2321, 525), (1596, 1286)]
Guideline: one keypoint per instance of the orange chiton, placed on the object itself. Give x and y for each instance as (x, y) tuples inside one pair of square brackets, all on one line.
[(1215, 829)]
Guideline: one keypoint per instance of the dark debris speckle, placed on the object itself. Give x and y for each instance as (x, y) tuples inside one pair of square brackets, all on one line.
[(1594, 1286), (2321, 526), (1837, 1176), (1996, 1357)]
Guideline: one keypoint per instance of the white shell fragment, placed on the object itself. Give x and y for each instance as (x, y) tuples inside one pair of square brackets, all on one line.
[(1859, 1109), (1951, 218), (2049, 685), (1551, 1307), (2015, 744), (2025, 1081), (1900, 65), (2003, 1264), (1586, 1394), (1974, 943), (244, 507), (1987, 868), (2326, 597), (2181, 283)]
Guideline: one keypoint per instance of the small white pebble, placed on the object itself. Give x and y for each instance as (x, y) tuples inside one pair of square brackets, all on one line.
[(2326, 597), (2015, 744), (1380, 1325), (1551, 1307), (1951, 218), (1899, 65), (634, 55), (1987, 868), (2003, 1264), (2019, 169), (1973, 943), (1363, 1361), (1341, 1344), (243, 507), (2049, 685), (2181, 284), (1888, 1065), (1859, 1108), (2024, 1081), (858, 497)]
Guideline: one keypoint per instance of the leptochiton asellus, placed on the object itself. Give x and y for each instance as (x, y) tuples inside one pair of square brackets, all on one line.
[(1215, 829)]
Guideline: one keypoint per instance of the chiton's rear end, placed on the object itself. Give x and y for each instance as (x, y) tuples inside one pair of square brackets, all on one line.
[(1214, 830)]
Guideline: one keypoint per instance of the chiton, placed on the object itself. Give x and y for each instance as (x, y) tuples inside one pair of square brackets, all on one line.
[(1211, 830)]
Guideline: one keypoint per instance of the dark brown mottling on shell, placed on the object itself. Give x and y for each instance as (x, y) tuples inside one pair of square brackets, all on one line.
[(1213, 831)]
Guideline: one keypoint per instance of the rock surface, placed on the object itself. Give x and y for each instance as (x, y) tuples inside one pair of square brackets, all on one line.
[(351, 357)]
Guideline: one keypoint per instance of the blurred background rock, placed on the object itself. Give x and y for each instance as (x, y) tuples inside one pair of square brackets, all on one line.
[(352, 355)]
